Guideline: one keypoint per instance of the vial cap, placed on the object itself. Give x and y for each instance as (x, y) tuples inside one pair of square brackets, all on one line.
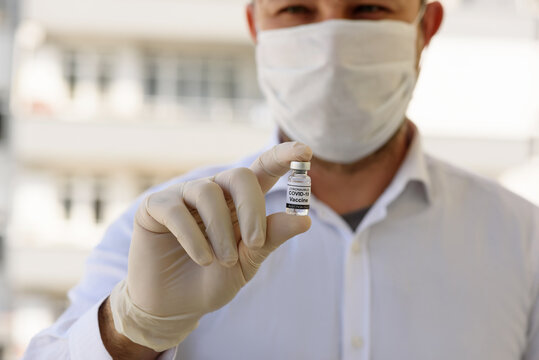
[(298, 165)]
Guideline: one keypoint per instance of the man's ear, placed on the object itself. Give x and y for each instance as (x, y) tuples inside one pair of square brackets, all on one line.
[(250, 13), (432, 20)]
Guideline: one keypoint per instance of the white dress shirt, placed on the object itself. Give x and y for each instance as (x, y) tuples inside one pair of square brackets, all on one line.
[(444, 266)]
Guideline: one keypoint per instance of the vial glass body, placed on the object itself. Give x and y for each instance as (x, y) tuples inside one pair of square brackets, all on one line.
[(299, 193)]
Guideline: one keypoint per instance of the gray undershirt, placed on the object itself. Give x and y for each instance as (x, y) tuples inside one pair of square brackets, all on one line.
[(353, 219)]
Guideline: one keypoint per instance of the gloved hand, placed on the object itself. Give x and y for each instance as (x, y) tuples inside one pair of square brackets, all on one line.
[(196, 244)]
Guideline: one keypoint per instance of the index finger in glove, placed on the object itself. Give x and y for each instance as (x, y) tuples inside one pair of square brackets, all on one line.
[(242, 186), (274, 163)]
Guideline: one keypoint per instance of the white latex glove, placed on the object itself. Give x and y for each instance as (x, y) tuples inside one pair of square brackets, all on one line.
[(196, 244)]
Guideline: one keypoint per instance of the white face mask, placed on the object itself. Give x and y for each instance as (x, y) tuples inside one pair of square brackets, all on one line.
[(340, 86)]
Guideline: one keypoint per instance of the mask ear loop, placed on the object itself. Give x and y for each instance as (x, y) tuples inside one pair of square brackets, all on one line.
[(419, 17), (417, 21)]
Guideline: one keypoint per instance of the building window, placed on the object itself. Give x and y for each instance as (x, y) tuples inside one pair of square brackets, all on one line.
[(104, 76), (204, 78), (190, 80), (71, 72), (67, 199), (98, 203), (226, 81), (2, 246), (151, 82), (3, 120), (98, 210)]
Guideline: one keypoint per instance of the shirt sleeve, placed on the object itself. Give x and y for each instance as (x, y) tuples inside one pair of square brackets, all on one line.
[(532, 348)]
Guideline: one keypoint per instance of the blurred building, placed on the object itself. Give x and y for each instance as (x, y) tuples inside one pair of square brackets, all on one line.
[(111, 97), (8, 20)]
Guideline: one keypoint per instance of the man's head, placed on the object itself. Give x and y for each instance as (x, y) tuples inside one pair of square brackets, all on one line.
[(338, 75), (275, 14)]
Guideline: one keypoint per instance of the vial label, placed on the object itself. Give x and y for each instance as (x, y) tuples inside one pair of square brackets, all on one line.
[(298, 197)]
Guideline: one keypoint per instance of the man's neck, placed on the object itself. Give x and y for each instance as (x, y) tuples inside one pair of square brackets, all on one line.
[(350, 187)]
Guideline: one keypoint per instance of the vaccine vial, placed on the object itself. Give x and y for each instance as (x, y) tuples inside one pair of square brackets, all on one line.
[(299, 189)]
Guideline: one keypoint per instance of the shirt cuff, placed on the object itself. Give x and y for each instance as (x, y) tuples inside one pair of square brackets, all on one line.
[(85, 339)]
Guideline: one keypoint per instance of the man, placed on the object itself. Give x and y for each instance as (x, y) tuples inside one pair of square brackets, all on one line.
[(406, 257)]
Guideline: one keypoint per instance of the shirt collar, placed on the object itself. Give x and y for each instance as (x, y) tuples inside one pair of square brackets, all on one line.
[(413, 168)]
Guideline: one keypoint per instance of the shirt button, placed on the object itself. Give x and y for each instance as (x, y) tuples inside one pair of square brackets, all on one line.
[(356, 247), (357, 342)]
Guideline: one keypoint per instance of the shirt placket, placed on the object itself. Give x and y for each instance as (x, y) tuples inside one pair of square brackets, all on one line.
[(356, 307)]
